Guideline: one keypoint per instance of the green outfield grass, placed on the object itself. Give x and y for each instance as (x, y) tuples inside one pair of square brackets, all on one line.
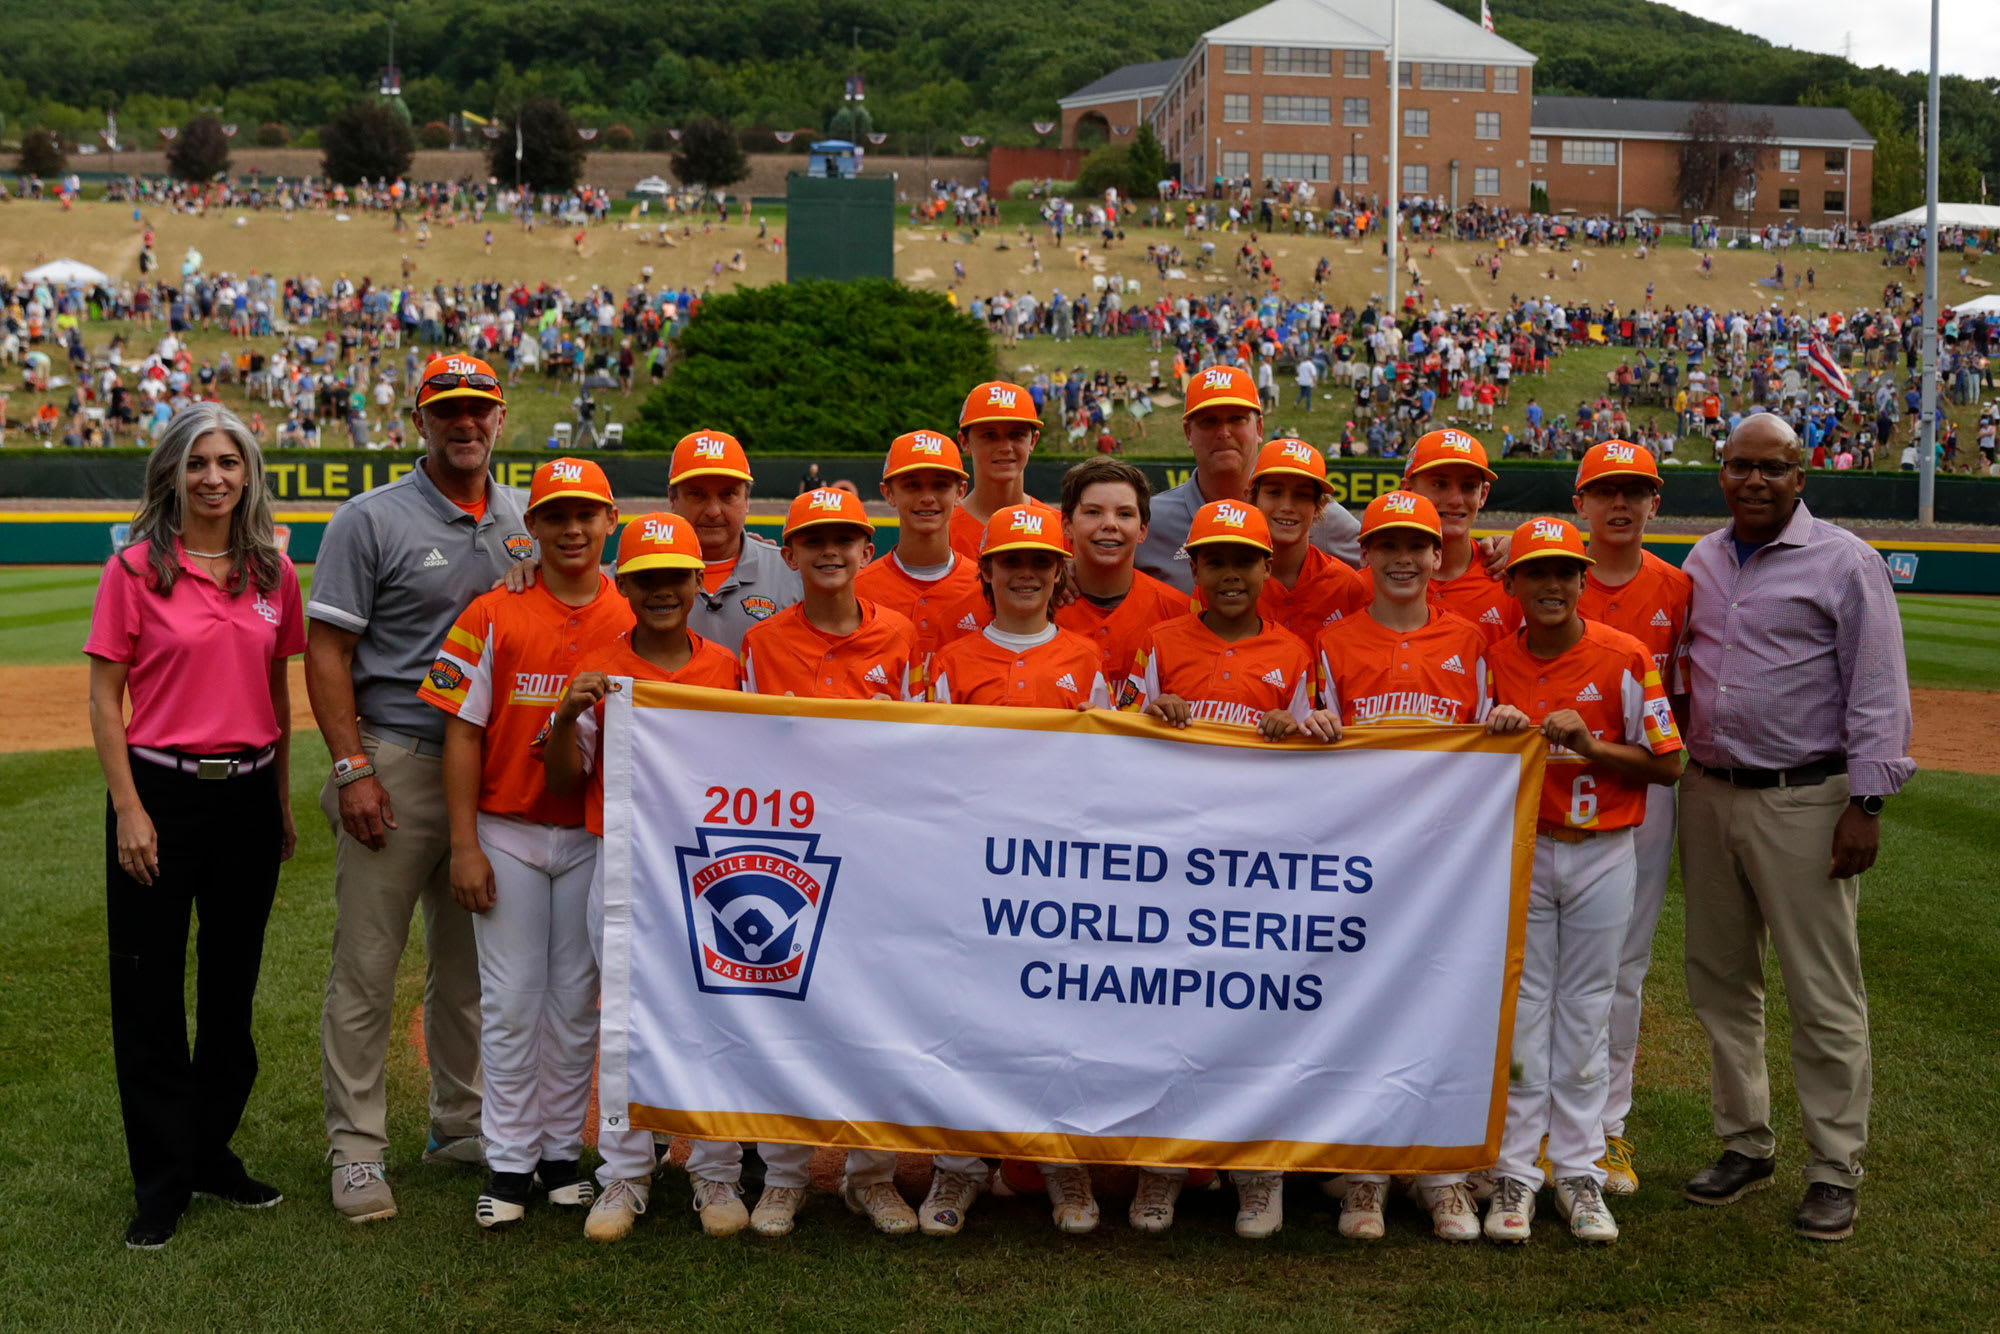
[(1953, 643)]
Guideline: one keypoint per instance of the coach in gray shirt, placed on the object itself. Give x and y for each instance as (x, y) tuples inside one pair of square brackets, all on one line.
[(396, 567), (708, 484)]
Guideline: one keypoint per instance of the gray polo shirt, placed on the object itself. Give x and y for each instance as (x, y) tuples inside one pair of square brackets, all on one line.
[(1163, 554), (396, 566), (760, 587)]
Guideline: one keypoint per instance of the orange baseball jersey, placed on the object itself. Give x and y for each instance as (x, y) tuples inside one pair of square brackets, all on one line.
[(1326, 591), (1651, 606), (1061, 674), (968, 533), (1609, 679), (1116, 630), (504, 665), (711, 665), (1475, 596), (1223, 682), (789, 655), (1369, 673), (887, 583)]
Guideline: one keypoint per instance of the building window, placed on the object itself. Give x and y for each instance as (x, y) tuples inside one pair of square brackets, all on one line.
[(1506, 79), (1356, 64), (1486, 180), (1235, 166), (1788, 201), (1235, 60), (1416, 178), (1297, 60), (1486, 125), (1464, 78), (1403, 74), (1297, 110), (1590, 152), (1296, 166), (1353, 169), (1836, 161), (1788, 159), (1836, 201), (1353, 111), (1538, 150), (1416, 122), (1235, 106)]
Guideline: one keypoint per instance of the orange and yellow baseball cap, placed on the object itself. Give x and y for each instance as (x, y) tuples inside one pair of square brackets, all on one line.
[(1401, 509), (1616, 458), (708, 454), (999, 401), (658, 542), (1030, 527), (1221, 386), (1229, 521), (1441, 448), (915, 450), (458, 375), (824, 505), (1291, 458), (1547, 539), (566, 478)]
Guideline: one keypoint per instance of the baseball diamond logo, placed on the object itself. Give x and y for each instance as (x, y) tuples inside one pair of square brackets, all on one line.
[(519, 545), (756, 904)]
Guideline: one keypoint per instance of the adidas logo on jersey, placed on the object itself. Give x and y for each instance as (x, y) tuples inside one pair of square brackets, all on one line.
[(1660, 619), (1491, 616), (1066, 682), (1589, 694), (1452, 664), (435, 559), (876, 676), (1274, 677), (966, 622)]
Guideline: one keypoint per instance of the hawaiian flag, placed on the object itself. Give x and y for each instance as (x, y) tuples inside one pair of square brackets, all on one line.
[(1485, 15), (1826, 370)]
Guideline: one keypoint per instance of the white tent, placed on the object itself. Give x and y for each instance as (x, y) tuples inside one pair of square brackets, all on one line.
[(1979, 305), (651, 185), (1949, 215), (66, 271)]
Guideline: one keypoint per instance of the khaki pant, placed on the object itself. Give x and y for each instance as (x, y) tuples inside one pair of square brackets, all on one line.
[(374, 896), (1754, 865)]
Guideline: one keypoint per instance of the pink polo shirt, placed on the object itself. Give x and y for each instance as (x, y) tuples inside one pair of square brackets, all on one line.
[(200, 660)]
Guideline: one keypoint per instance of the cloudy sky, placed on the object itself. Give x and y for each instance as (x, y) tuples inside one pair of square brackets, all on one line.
[(1883, 32)]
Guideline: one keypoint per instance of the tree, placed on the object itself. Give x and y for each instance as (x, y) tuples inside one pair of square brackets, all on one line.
[(1720, 152), (200, 152), (1149, 162), (42, 154), (778, 367), (271, 134), (550, 156), (710, 156), (366, 141), (435, 134)]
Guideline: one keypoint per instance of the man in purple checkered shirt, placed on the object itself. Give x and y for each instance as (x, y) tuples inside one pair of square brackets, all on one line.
[(1798, 728)]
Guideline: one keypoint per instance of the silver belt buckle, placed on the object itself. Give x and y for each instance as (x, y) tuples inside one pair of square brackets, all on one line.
[(215, 768)]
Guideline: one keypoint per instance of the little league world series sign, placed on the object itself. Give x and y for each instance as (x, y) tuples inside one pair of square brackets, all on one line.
[(1060, 936)]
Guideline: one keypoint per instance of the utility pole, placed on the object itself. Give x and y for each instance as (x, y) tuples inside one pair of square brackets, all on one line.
[(1927, 442), (1394, 189)]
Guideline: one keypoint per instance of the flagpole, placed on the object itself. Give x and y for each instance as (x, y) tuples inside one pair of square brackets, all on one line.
[(1927, 445), (1395, 157)]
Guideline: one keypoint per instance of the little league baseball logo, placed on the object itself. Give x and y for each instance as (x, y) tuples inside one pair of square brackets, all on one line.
[(756, 904)]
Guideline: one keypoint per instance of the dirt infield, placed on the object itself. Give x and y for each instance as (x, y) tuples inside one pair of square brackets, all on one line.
[(47, 708)]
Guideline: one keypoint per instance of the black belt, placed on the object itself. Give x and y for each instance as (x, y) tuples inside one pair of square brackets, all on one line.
[(1805, 775)]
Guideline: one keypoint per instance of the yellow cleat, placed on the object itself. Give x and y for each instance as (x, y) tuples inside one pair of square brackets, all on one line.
[(1619, 1176)]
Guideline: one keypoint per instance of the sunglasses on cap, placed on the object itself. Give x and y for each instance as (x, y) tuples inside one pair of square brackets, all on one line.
[(462, 380)]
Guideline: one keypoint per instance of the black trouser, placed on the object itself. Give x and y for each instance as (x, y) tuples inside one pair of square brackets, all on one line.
[(218, 854)]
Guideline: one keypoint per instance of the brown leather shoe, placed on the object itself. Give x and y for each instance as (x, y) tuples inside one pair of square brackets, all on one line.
[(1827, 1212), (1729, 1178)]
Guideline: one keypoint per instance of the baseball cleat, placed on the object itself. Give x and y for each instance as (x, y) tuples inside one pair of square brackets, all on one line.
[(1581, 1201), (949, 1201), (1620, 1177), (504, 1201), (776, 1209), (1153, 1202), (617, 1209), (1260, 1203), (1361, 1211), (720, 1204), (1454, 1216), (1075, 1205), (566, 1184), (883, 1204), (1511, 1212)]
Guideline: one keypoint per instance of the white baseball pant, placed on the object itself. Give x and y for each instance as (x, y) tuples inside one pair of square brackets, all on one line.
[(1653, 848), (538, 992), (786, 1164), (1579, 905)]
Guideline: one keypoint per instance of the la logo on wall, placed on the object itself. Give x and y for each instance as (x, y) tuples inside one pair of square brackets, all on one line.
[(756, 904)]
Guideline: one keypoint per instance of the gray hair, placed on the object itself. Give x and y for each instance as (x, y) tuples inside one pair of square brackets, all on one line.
[(253, 547)]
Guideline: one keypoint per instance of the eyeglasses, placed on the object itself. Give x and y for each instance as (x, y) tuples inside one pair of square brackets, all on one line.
[(459, 379), (1772, 470)]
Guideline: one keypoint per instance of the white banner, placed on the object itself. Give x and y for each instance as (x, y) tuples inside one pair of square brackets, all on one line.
[(1059, 936)]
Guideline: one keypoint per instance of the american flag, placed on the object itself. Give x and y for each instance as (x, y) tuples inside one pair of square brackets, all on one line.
[(1826, 370), (1485, 15)]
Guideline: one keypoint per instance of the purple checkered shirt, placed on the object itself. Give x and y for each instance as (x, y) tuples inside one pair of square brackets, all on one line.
[(1798, 656)]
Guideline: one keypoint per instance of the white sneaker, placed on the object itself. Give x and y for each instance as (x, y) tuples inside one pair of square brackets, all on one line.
[(1482, 1184), (883, 1204), (1070, 1193), (1581, 1201), (1361, 1211), (617, 1209), (950, 1199), (1260, 1203), (1153, 1202), (1453, 1214), (1511, 1211), (720, 1204), (776, 1208), (361, 1193)]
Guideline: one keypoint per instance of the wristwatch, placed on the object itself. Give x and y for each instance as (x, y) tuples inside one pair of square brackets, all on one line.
[(1867, 805)]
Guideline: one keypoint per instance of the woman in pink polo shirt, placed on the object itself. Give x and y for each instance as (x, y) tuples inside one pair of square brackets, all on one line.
[(194, 620)]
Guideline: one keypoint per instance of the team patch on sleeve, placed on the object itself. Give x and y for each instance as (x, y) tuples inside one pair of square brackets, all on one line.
[(1660, 733), (447, 678)]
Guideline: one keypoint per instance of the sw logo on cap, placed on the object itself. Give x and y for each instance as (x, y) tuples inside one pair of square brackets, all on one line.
[(1457, 441), (566, 472), (657, 530), (824, 499), (460, 366), (1028, 522), (756, 906), (925, 443), (1231, 516), (708, 447), (1217, 377), (1549, 530), (1300, 450), (1621, 453), (999, 397), (1399, 502)]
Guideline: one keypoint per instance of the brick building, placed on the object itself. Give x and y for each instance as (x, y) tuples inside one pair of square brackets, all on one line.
[(1111, 109)]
